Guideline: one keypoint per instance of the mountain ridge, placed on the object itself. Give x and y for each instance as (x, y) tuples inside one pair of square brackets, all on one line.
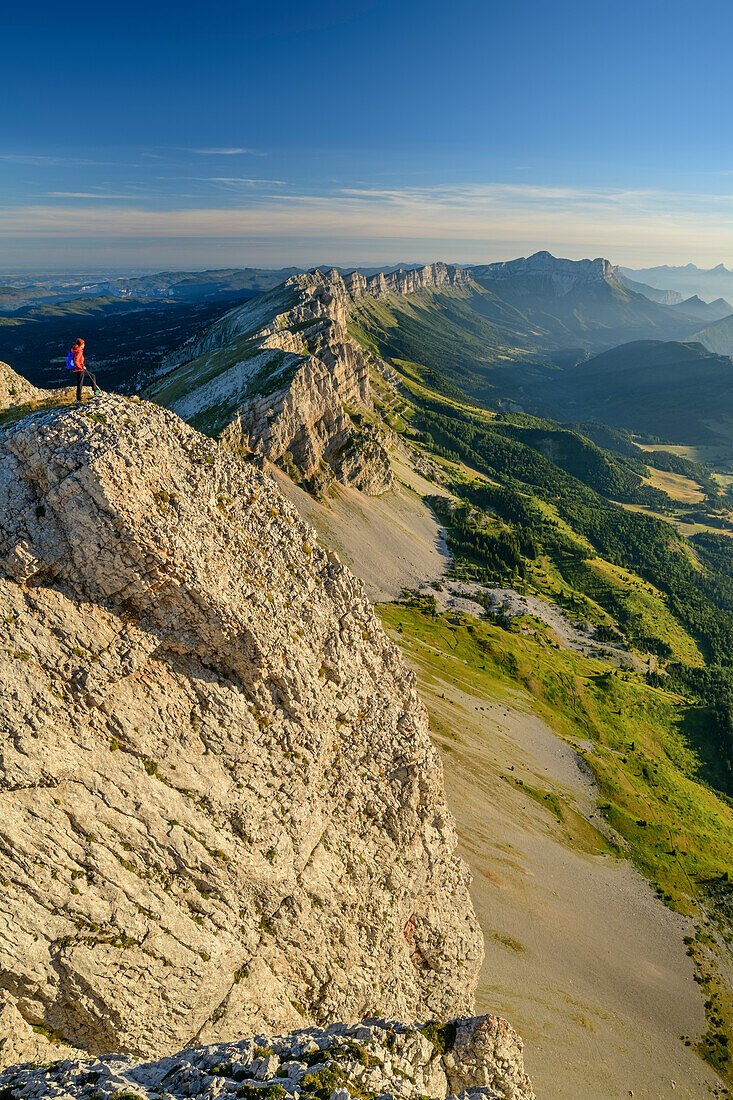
[(283, 376), (563, 275), (709, 283)]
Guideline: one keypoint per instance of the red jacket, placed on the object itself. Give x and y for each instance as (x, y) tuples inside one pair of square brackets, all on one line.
[(78, 356)]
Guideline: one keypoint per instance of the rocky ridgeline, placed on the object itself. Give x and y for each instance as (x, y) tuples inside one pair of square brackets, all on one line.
[(220, 811), (280, 376), (478, 1057), (308, 417), (432, 277)]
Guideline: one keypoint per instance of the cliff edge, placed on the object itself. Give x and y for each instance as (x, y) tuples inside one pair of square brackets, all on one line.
[(478, 1058), (221, 812)]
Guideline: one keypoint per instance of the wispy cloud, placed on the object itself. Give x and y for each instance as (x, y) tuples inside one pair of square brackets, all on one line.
[(229, 151), (42, 160), (85, 195), (463, 223), (245, 181)]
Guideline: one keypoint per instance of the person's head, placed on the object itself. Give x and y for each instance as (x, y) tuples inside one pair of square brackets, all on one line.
[(78, 343)]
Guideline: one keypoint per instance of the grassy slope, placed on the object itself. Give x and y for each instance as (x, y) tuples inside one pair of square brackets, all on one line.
[(231, 342), (587, 591), (460, 334), (496, 348), (594, 313), (643, 746), (657, 770)]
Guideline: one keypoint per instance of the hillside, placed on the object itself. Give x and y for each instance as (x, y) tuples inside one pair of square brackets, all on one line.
[(581, 302), (282, 377), (525, 523), (679, 392), (503, 334), (705, 311), (654, 294), (718, 336), (475, 321), (285, 373), (528, 508), (221, 809)]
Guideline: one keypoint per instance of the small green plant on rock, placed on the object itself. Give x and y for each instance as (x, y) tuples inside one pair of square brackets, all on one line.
[(442, 1036)]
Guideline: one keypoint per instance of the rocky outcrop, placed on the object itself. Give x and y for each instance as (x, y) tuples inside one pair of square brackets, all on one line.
[(220, 809), (467, 1058), (16, 390), (279, 377), (545, 271), (431, 277)]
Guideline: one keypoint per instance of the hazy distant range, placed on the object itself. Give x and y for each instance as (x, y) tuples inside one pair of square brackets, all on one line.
[(717, 282)]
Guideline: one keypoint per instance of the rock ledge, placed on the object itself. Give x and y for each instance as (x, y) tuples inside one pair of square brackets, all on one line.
[(470, 1057)]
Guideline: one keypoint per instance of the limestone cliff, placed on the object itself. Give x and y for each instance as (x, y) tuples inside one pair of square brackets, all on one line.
[(280, 376), (220, 809), (547, 272), (432, 277)]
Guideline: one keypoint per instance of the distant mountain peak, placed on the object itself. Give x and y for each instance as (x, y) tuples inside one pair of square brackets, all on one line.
[(561, 274)]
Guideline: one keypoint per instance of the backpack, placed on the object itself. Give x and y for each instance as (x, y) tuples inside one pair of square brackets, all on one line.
[(70, 361)]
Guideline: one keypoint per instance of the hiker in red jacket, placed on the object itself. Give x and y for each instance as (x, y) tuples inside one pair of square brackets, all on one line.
[(75, 362)]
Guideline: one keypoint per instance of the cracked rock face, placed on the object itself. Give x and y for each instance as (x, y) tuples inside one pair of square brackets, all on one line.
[(477, 1058), (220, 812)]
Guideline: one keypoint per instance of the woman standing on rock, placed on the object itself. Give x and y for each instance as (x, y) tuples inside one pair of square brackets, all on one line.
[(75, 362)]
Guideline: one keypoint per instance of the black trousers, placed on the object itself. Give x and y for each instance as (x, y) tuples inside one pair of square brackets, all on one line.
[(83, 376)]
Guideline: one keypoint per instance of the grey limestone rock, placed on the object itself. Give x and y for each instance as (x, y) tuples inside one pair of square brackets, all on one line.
[(220, 811), (280, 376), (376, 1058), (16, 390)]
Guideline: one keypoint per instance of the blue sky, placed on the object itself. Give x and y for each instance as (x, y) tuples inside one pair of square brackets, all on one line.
[(161, 134)]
